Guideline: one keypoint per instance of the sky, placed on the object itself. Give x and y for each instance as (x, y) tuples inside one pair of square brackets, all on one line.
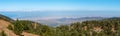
[(40, 5), (59, 8)]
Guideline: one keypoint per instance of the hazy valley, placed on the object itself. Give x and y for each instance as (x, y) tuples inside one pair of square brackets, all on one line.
[(67, 21)]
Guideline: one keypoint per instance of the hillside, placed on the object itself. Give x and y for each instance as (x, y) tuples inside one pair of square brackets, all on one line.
[(4, 23), (103, 27)]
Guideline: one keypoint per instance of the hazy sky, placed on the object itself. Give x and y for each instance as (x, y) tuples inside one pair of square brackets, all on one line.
[(61, 8), (43, 5)]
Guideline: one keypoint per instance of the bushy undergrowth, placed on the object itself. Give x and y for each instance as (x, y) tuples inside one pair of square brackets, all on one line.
[(106, 27)]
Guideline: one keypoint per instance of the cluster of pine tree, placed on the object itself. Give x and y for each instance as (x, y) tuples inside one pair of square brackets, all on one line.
[(105, 27)]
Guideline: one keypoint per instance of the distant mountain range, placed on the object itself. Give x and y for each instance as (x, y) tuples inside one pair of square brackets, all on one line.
[(67, 21)]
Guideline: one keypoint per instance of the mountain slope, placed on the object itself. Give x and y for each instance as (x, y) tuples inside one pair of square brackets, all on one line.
[(5, 22), (3, 27)]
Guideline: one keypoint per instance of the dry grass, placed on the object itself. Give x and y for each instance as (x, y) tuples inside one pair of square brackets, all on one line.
[(4, 25)]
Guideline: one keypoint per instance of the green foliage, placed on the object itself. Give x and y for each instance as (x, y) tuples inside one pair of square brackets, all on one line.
[(106, 27), (3, 33), (10, 27), (18, 27)]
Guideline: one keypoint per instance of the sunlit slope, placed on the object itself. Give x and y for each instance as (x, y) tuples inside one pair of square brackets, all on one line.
[(5, 22)]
